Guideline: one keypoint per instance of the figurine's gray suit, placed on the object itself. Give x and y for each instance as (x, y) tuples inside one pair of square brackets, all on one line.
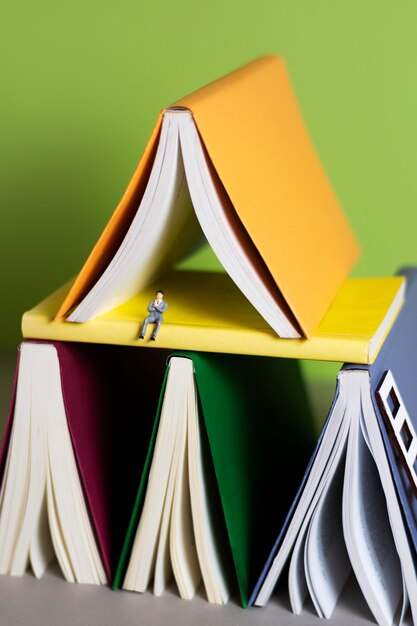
[(155, 316)]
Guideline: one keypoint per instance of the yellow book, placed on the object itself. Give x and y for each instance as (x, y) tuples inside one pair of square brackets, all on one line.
[(352, 330), (231, 164)]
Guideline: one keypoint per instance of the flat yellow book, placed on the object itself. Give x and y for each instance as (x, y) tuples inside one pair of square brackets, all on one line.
[(233, 165), (207, 312)]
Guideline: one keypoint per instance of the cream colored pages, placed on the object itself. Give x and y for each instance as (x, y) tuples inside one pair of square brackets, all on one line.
[(255, 136)]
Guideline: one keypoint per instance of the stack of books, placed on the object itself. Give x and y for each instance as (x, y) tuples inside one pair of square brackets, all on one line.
[(159, 427)]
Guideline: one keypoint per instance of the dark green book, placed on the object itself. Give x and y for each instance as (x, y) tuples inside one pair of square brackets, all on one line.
[(230, 443)]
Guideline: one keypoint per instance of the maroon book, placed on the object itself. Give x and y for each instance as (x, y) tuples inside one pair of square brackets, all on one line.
[(110, 395)]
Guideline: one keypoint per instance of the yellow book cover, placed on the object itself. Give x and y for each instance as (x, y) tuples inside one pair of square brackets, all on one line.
[(276, 201), (352, 330)]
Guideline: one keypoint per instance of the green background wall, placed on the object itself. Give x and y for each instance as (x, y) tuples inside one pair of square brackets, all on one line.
[(82, 82)]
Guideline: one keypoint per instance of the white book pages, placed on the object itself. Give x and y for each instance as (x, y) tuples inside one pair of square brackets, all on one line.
[(70, 509), (163, 230), (221, 234), (325, 464), (16, 476), (207, 537), (177, 532), (297, 583), (163, 568), (169, 224), (405, 603), (302, 574), (366, 524), (58, 542), (163, 564), (36, 424), (41, 550), (183, 552), (142, 559), (42, 475), (326, 560)]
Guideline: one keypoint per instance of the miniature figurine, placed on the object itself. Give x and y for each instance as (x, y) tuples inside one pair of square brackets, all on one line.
[(156, 309)]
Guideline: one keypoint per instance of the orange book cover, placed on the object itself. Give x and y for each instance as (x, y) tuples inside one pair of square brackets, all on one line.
[(252, 128)]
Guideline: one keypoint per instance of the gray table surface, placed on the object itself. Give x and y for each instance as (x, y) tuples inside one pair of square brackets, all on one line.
[(53, 602)]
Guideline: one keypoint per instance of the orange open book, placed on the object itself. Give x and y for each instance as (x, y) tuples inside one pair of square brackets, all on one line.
[(231, 164)]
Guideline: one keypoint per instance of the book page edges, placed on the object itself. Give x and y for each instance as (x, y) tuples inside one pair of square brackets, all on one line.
[(116, 228)]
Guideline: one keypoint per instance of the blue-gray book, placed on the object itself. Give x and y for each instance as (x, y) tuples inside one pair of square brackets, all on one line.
[(355, 513)]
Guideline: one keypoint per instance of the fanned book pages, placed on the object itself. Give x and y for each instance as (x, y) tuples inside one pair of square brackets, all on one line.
[(209, 501), (356, 510), (72, 451), (232, 165)]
